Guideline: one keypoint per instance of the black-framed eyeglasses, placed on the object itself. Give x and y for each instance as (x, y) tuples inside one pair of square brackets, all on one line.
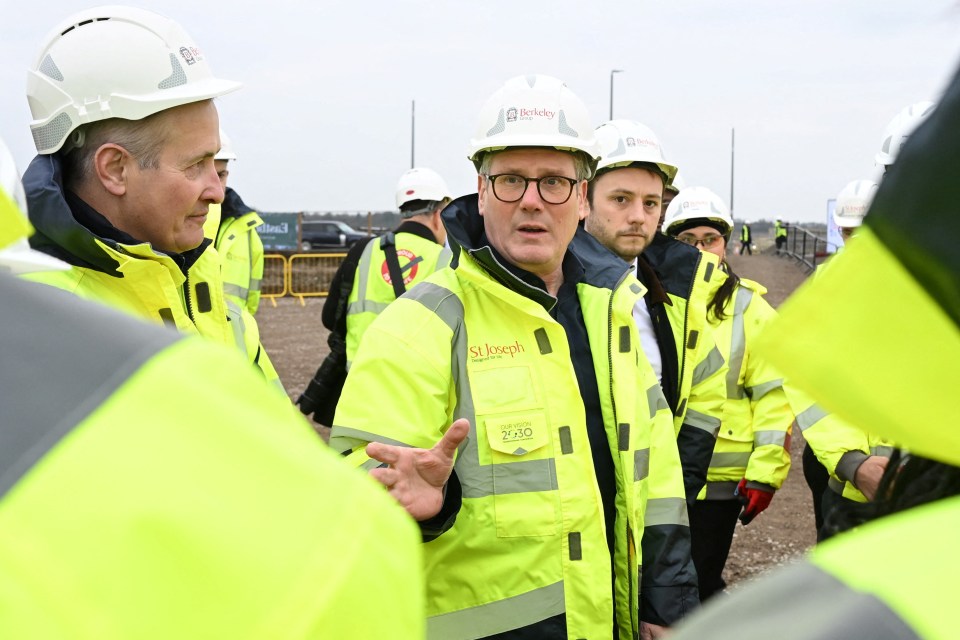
[(509, 187), (706, 241)]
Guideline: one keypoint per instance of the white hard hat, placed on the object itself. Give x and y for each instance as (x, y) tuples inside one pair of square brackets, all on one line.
[(421, 183), (677, 184), (226, 148), (623, 142), (16, 256), (899, 129), (534, 111), (695, 203), (114, 62), (853, 202)]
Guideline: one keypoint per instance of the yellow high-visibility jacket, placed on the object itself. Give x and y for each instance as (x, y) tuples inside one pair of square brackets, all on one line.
[(418, 257), (184, 291), (241, 251), (692, 378), (140, 500), (754, 439), (529, 541)]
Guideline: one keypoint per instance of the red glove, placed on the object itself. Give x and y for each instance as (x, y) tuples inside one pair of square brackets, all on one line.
[(754, 501)]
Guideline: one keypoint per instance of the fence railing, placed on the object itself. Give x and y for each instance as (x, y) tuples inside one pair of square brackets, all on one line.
[(301, 275), (806, 247)]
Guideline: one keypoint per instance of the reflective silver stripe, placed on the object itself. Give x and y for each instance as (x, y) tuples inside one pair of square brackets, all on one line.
[(363, 274), (737, 459), (810, 416), (62, 358), (710, 365), (702, 421), (836, 485), (882, 450), (255, 284), (499, 616), (237, 325), (655, 400), (721, 490), (827, 607), (738, 341), (641, 464), (362, 306), (524, 476), (763, 438), (662, 511), (758, 391), (234, 290)]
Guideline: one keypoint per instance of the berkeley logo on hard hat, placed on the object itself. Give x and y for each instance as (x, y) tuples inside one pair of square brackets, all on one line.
[(536, 112), (512, 114), (190, 55)]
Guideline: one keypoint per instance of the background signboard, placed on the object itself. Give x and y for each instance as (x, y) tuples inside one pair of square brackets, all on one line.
[(280, 231)]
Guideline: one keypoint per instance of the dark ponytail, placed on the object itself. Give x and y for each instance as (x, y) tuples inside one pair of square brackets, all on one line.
[(723, 294)]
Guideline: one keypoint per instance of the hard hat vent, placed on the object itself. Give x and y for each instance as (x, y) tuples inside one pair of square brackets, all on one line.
[(53, 132), (49, 68), (177, 75)]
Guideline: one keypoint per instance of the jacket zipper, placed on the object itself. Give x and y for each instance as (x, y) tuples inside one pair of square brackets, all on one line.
[(186, 298)]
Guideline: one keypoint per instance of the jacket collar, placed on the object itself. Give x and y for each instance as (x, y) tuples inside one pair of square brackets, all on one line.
[(233, 205), (70, 229), (674, 263)]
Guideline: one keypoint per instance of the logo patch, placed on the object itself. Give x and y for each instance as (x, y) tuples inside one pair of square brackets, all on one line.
[(409, 270), (512, 114)]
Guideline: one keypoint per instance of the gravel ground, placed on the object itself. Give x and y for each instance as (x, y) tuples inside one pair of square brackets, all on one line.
[(296, 341)]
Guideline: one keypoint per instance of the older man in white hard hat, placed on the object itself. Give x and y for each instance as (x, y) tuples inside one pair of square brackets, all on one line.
[(126, 131)]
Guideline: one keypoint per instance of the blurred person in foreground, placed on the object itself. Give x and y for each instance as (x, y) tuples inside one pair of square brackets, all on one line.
[(139, 501)]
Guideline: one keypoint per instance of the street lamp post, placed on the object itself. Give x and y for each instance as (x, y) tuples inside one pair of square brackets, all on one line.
[(612, 71)]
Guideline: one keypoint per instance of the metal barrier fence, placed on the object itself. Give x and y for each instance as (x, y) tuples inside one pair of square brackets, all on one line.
[(808, 248), (310, 274), (301, 275), (276, 281)]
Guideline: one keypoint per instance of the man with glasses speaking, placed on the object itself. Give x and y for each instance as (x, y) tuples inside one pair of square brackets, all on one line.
[(556, 474), (625, 199)]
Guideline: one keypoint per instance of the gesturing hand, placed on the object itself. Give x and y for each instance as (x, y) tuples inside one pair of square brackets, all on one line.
[(415, 477)]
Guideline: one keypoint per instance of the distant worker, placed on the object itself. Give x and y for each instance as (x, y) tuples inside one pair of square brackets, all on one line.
[(899, 129), (851, 206), (137, 500), (780, 235), (752, 454), (126, 131), (894, 577), (552, 504), (376, 272), (671, 319), (237, 241), (746, 238)]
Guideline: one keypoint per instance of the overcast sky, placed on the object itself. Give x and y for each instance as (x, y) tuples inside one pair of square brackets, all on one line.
[(323, 120)]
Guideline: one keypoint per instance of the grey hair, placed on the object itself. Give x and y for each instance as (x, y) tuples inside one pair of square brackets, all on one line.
[(143, 139), (582, 166)]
